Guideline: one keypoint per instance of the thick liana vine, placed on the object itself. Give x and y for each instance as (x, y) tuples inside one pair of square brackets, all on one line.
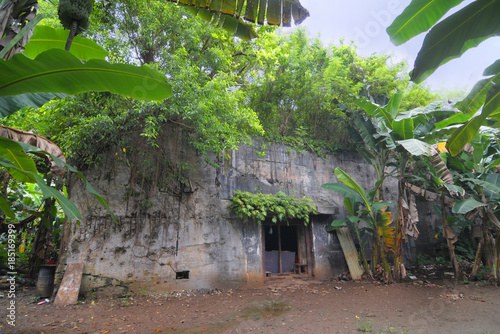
[(277, 208)]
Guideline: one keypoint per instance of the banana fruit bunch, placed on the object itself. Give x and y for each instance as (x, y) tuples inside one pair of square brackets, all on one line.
[(74, 15)]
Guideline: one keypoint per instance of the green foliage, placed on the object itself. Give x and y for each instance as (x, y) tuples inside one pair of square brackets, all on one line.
[(219, 84), (449, 38), (374, 214), (417, 96), (464, 247), (83, 127), (300, 143), (424, 259), (26, 202), (418, 17), (364, 325), (23, 198), (277, 208), (197, 59), (54, 71), (294, 82)]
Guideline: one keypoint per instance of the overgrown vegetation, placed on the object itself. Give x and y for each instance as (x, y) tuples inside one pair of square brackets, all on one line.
[(276, 208), (290, 89)]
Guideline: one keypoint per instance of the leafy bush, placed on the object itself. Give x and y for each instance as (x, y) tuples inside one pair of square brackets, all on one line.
[(279, 207)]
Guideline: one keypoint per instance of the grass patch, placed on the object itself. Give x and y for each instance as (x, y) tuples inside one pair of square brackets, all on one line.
[(364, 325), (268, 310)]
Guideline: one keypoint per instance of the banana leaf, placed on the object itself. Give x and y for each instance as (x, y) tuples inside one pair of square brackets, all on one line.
[(416, 147), (403, 128), (349, 181), (375, 110), (418, 17), (466, 205), (12, 103), (466, 132), (344, 190), (58, 71), (456, 34), (231, 24), (458, 118), (230, 12), (492, 184), (393, 105), (45, 38)]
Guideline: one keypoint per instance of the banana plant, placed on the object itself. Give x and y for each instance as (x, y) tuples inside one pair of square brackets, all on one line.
[(391, 133), (373, 213), (49, 73), (477, 166), (352, 207), (443, 183), (448, 38), (15, 160), (18, 18)]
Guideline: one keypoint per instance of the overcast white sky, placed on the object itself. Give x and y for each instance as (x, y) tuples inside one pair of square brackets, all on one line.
[(365, 21)]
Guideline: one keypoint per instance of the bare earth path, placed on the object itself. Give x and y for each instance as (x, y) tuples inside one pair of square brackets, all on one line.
[(284, 305)]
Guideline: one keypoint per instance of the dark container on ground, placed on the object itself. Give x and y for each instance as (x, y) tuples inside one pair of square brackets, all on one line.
[(45, 283)]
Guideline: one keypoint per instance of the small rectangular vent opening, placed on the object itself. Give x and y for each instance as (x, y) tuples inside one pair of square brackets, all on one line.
[(182, 274)]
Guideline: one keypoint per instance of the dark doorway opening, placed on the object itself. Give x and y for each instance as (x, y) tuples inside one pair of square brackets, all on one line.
[(281, 248)]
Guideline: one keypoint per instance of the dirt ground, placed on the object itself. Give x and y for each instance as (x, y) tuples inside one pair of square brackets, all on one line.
[(286, 304)]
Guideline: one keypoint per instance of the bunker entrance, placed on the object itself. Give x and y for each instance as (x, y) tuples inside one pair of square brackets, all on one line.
[(285, 248)]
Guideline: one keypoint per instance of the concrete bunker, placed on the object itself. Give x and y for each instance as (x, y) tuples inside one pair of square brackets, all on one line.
[(194, 232)]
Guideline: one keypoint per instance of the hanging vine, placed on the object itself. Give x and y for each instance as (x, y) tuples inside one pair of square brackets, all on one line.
[(278, 207)]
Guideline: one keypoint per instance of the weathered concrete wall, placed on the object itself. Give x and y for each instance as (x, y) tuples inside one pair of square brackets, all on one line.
[(167, 226)]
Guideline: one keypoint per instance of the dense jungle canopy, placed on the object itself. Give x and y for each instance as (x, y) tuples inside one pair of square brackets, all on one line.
[(283, 85)]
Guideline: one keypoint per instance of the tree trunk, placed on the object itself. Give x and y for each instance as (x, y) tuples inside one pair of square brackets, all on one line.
[(477, 260), (398, 247), (42, 250), (362, 251), (387, 269), (489, 251), (374, 253), (379, 248), (451, 239), (4, 179), (497, 243)]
